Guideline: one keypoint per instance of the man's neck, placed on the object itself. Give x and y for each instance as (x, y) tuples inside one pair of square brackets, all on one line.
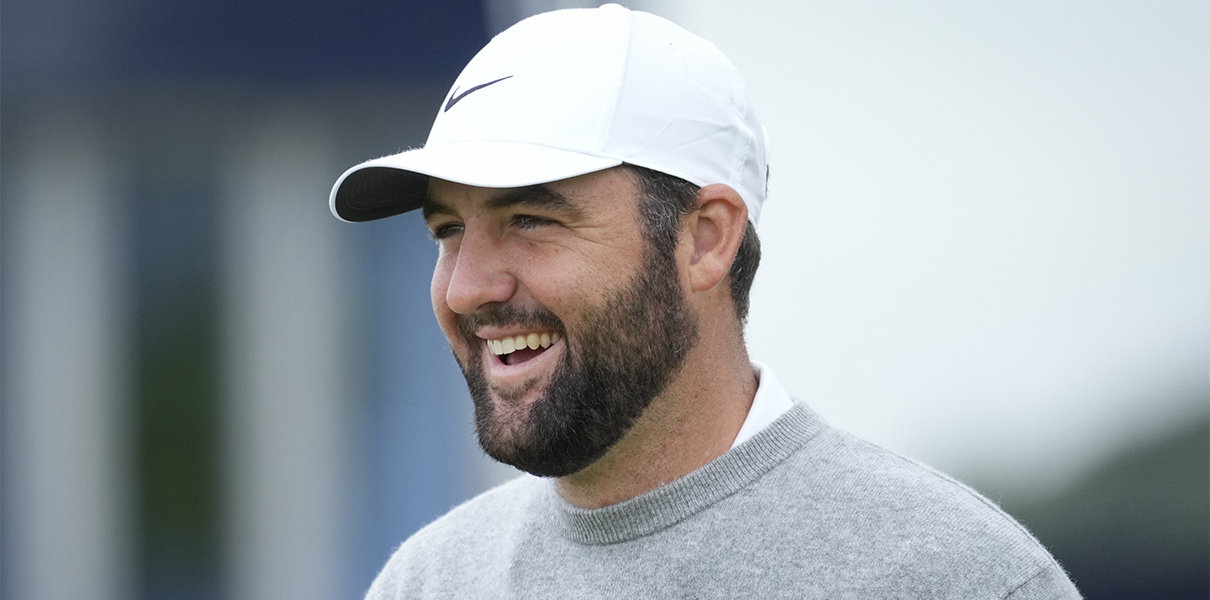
[(691, 423)]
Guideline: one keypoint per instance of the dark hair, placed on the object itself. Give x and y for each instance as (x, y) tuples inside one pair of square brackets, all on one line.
[(665, 201)]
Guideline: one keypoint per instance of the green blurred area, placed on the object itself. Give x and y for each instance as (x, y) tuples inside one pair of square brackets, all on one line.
[(1138, 526), (177, 405)]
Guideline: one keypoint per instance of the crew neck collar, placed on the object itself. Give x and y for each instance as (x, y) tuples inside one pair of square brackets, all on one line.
[(678, 500)]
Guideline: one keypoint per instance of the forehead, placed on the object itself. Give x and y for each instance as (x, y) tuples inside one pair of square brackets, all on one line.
[(612, 191)]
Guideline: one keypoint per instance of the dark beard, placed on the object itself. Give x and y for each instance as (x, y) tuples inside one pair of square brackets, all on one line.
[(619, 359)]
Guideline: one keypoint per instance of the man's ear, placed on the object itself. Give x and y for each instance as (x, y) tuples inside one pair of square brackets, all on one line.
[(714, 232)]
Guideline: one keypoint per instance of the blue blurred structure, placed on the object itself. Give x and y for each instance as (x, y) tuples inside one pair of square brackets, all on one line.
[(85, 42), (202, 486)]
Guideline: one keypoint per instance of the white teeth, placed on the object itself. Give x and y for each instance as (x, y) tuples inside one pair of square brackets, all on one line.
[(533, 341)]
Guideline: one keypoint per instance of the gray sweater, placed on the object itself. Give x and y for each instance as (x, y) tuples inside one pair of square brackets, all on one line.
[(801, 510)]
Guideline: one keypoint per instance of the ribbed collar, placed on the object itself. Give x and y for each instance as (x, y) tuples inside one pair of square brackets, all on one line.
[(670, 504)]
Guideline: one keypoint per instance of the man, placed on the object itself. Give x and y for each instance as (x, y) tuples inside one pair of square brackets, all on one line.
[(592, 182)]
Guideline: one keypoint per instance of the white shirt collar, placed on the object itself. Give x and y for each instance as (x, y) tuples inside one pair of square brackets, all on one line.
[(771, 401)]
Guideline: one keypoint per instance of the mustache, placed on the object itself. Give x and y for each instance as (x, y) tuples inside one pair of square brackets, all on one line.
[(508, 315)]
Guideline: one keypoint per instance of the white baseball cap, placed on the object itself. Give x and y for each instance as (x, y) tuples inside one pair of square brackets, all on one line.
[(571, 92)]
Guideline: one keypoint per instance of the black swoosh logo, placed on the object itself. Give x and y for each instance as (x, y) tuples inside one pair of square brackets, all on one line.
[(456, 97)]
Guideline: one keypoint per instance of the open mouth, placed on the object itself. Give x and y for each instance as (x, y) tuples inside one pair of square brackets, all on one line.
[(517, 349)]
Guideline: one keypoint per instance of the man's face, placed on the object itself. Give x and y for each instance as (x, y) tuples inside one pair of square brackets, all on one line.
[(564, 272)]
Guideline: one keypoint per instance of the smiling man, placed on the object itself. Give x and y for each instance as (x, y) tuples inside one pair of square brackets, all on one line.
[(592, 182), (585, 328)]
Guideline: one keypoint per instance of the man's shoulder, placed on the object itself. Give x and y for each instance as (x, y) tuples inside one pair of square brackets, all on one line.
[(906, 515), (469, 535), (501, 504), (861, 476)]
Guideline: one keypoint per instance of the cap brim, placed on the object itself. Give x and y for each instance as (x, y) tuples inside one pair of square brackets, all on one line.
[(399, 183)]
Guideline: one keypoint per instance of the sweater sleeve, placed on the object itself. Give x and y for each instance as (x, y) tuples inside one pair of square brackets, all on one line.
[(1049, 583)]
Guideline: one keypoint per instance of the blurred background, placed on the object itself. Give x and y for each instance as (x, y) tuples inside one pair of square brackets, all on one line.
[(986, 247)]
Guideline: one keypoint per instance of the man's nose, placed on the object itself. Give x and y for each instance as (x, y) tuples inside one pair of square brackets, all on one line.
[(481, 275)]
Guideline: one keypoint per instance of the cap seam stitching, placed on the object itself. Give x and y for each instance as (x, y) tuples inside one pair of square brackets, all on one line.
[(605, 130)]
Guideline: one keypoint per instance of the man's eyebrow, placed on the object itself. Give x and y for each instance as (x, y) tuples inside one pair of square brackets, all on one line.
[(433, 206), (534, 196)]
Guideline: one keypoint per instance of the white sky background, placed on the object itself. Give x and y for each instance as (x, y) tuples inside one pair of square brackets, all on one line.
[(988, 231)]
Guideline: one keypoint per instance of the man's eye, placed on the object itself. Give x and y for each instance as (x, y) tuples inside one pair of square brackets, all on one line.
[(530, 221), (446, 230)]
